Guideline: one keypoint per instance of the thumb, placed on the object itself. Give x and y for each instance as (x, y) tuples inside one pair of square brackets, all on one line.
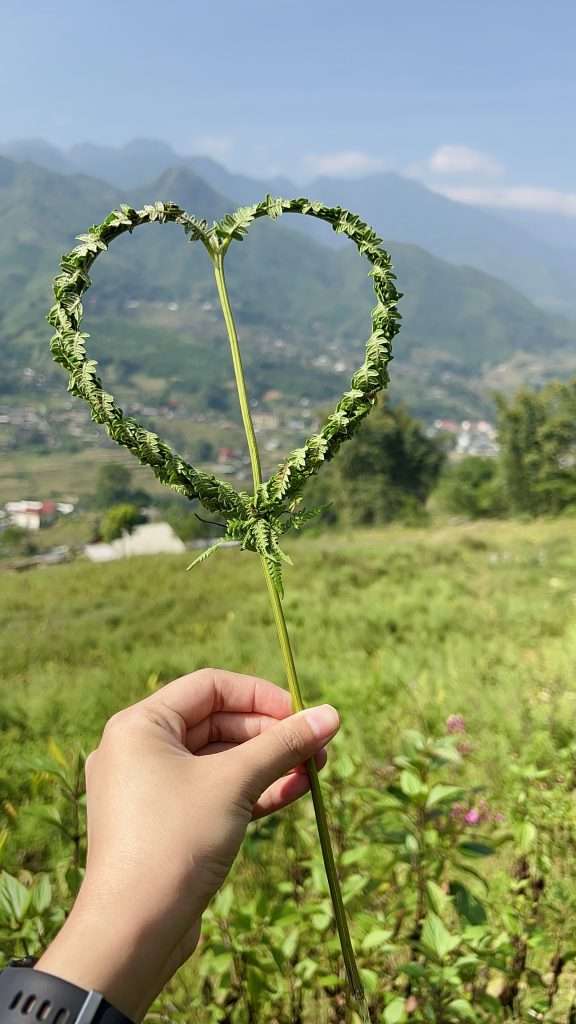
[(284, 746)]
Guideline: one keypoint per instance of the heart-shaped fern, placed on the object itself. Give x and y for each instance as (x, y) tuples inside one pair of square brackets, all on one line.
[(259, 519)]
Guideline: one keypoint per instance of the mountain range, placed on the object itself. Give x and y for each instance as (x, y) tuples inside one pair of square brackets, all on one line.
[(400, 208), (302, 304)]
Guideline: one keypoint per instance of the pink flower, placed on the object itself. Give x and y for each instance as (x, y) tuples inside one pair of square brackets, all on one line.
[(472, 817), (455, 724)]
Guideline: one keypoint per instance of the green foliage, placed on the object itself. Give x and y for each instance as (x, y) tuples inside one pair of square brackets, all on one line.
[(455, 919), (113, 483), (114, 486), (118, 520), (472, 487), (387, 472), (14, 541), (537, 433)]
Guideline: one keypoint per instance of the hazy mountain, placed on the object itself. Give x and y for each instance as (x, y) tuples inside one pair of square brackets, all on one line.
[(510, 246), (552, 228), (459, 323)]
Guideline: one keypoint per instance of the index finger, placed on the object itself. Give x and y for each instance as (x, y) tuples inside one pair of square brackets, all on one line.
[(200, 694)]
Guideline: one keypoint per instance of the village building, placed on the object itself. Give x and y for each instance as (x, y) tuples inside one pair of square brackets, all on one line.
[(31, 515)]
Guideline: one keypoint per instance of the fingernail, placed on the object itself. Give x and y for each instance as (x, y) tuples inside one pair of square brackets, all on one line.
[(324, 721)]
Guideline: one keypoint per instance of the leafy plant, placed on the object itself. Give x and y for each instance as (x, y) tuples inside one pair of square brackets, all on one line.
[(258, 520), (118, 520), (475, 640)]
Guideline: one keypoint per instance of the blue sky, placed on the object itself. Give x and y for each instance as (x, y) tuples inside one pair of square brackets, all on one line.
[(475, 97)]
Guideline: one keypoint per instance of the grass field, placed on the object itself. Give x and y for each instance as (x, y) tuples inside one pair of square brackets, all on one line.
[(421, 623), (399, 628), (66, 475)]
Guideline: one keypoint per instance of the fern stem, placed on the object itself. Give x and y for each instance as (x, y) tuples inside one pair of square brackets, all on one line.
[(218, 263), (352, 972), (318, 802)]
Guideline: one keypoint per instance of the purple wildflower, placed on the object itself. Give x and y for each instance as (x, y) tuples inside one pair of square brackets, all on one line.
[(455, 724)]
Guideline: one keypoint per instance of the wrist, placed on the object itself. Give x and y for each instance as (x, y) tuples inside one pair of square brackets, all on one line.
[(119, 951)]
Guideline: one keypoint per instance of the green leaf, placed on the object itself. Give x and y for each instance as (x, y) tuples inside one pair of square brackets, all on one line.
[(411, 844), (290, 944), (467, 904), (436, 939), (370, 979), (15, 898), (375, 939), (527, 835), (395, 1012), (439, 900), (41, 893), (329, 981), (440, 794), (462, 1009), (45, 812), (224, 900), (410, 784), (206, 554), (321, 921), (473, 849)]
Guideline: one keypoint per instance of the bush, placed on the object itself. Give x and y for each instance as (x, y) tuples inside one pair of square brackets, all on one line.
[(386, 472), (441, 935), (472, 487), (537, 434), (118, 520)]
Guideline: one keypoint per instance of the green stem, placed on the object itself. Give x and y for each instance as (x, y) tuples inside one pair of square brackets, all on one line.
[(317, 799), (288, 658), (218, 262)]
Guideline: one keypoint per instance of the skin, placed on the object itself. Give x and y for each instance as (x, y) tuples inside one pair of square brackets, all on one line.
[(171, 790)]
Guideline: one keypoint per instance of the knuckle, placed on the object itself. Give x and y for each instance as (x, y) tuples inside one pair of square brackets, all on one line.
[(114, 724), (119, 724)]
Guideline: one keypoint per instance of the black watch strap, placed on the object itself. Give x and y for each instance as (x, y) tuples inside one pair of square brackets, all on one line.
[(32, 996)]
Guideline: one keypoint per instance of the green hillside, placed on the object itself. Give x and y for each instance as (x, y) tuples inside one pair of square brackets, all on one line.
[(302, 307), (500, 243)]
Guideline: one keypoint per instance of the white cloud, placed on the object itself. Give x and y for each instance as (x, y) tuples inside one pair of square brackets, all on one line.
[(347, 162), (450, 159), (514, 197), (463, 160)]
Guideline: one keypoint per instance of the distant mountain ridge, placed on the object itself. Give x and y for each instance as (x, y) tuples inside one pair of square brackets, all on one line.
[(399, 208), (458, 323)]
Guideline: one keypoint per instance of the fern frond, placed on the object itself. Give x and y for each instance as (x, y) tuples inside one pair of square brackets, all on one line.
[(206, 554)]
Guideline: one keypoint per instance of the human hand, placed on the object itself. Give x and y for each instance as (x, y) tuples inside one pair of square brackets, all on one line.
[(171, 789)]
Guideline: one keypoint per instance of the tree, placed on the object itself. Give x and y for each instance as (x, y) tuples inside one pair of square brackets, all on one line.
[(118, 520), (114, 484), (472, 487), (386, 472), (537, 435), (114, 487)]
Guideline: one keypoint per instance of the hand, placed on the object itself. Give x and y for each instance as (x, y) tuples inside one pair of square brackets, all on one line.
[(170, 792)]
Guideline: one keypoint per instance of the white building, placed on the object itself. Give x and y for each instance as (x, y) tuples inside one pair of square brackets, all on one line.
[(148, 539), (31, 515)]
